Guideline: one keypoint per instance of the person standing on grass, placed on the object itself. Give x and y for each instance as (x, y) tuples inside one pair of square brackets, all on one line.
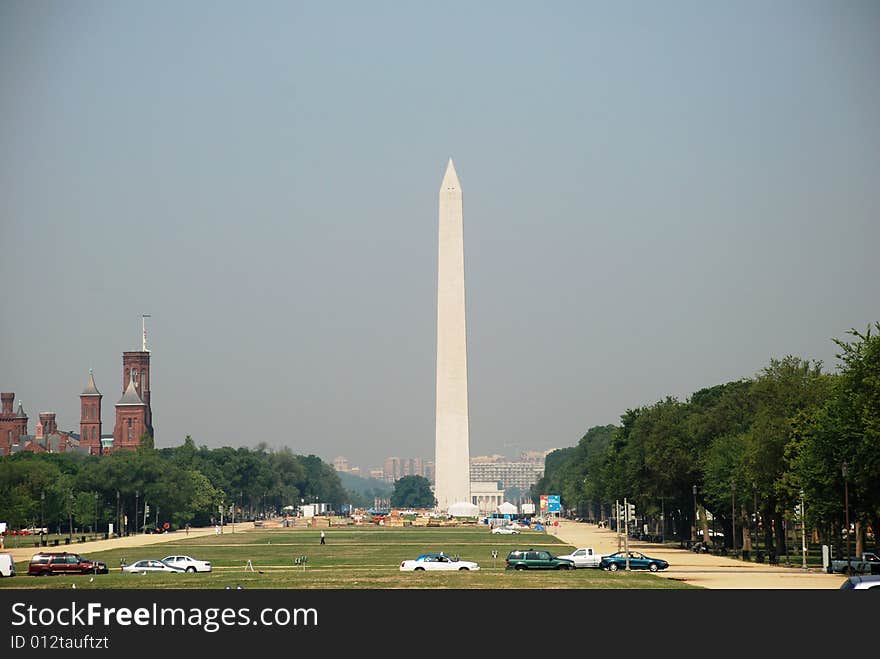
[(322, 538)]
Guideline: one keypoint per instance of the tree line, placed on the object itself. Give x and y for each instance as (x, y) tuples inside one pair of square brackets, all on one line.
[(748, 452), (180, 485)]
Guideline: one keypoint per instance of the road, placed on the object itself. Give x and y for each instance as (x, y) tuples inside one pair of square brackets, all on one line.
[(701, 569), (84, 548)]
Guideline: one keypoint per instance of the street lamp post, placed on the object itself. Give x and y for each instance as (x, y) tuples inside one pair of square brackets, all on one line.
[(662, 522), (117, 514), (96, 513), (843, 469), (70, 514), (136, 495), (42, 514), (694, 535), (803, 533), (733, 514)]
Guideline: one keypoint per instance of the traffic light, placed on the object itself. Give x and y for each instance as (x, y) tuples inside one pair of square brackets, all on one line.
[(631, 513)]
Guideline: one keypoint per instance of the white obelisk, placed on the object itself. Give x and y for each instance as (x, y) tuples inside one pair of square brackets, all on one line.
[(452, 452)]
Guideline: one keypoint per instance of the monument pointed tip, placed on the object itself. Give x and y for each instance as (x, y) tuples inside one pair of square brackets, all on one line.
[(450, 178)]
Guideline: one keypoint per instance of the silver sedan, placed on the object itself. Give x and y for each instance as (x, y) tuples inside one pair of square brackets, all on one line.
[(151, 565)]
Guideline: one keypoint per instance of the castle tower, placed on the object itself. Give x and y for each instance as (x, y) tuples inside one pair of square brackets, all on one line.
[(136, 369), (90, 416), (131, 418), (12, 424), (452, 450), (47, 420), (21, 420)]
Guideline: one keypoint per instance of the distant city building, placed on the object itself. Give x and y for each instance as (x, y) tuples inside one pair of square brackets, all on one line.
[(488, 458), (515, 477), (395, 468), (487, 496), (535, 456), (340, 463)]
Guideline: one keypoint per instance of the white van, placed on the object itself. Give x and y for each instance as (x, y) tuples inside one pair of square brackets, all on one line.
[(7, 565)]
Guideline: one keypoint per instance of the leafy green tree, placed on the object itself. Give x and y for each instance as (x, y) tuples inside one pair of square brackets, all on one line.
[(412, 492), (844, 429), (784, 389), (84, 509), (146, 442)]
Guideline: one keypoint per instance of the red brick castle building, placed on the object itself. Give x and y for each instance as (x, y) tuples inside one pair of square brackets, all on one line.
[(134, 417)]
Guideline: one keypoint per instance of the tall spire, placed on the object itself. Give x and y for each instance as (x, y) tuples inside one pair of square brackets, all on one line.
[(450, 178), (144, 330), (91, 388), (130, 397)]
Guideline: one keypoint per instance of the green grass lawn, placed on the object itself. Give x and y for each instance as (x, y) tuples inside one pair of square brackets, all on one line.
[(353, 558)]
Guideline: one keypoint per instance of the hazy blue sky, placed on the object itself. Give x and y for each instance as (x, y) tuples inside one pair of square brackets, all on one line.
[(658, 197)]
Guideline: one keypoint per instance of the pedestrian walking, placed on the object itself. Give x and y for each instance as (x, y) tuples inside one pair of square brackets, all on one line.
[(322, 538)]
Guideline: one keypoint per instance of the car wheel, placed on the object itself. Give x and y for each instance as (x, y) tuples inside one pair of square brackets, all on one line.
[(419, 569), (653, 567), (613, 567), (463, 569), (190, 569), (519, 567)]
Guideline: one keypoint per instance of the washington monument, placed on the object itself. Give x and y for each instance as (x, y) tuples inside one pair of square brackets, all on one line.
[(452, 452)]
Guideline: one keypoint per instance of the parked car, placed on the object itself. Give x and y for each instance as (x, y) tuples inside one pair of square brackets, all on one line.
[(868, 564), (7, 565), (584, 557), (505, 530), (861, 582), (637, 561), (151, 565), (188, 563), (531, 559), (46, 563), (437, 562)]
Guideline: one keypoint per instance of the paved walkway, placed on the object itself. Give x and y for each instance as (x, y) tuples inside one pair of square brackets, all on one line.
[(25, 553), (703, 570)]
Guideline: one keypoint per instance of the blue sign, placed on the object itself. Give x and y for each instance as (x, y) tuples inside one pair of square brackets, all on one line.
[(553, 505)]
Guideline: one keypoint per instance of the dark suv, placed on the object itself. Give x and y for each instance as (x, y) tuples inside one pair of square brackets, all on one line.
[(537, 559), (63, 563)]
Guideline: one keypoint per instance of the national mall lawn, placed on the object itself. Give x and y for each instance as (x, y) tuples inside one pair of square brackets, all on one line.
[(363, 558)]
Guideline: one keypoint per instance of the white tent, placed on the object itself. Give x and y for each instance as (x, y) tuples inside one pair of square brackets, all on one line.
[(464, 509), (507, 508)]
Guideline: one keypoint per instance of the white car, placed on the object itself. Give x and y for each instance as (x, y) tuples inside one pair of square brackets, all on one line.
[(439, 562), (150, 565), (584, 557), (505, 530), (188, 563), (861, 582)]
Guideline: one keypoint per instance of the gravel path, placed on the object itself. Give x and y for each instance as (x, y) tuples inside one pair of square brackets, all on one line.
[(84, 548), (701, 569)]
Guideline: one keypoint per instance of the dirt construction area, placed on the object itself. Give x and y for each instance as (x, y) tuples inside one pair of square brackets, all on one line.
[(702, 570)]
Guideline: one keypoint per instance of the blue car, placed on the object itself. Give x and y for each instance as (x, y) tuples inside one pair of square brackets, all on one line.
[(637, 561)]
